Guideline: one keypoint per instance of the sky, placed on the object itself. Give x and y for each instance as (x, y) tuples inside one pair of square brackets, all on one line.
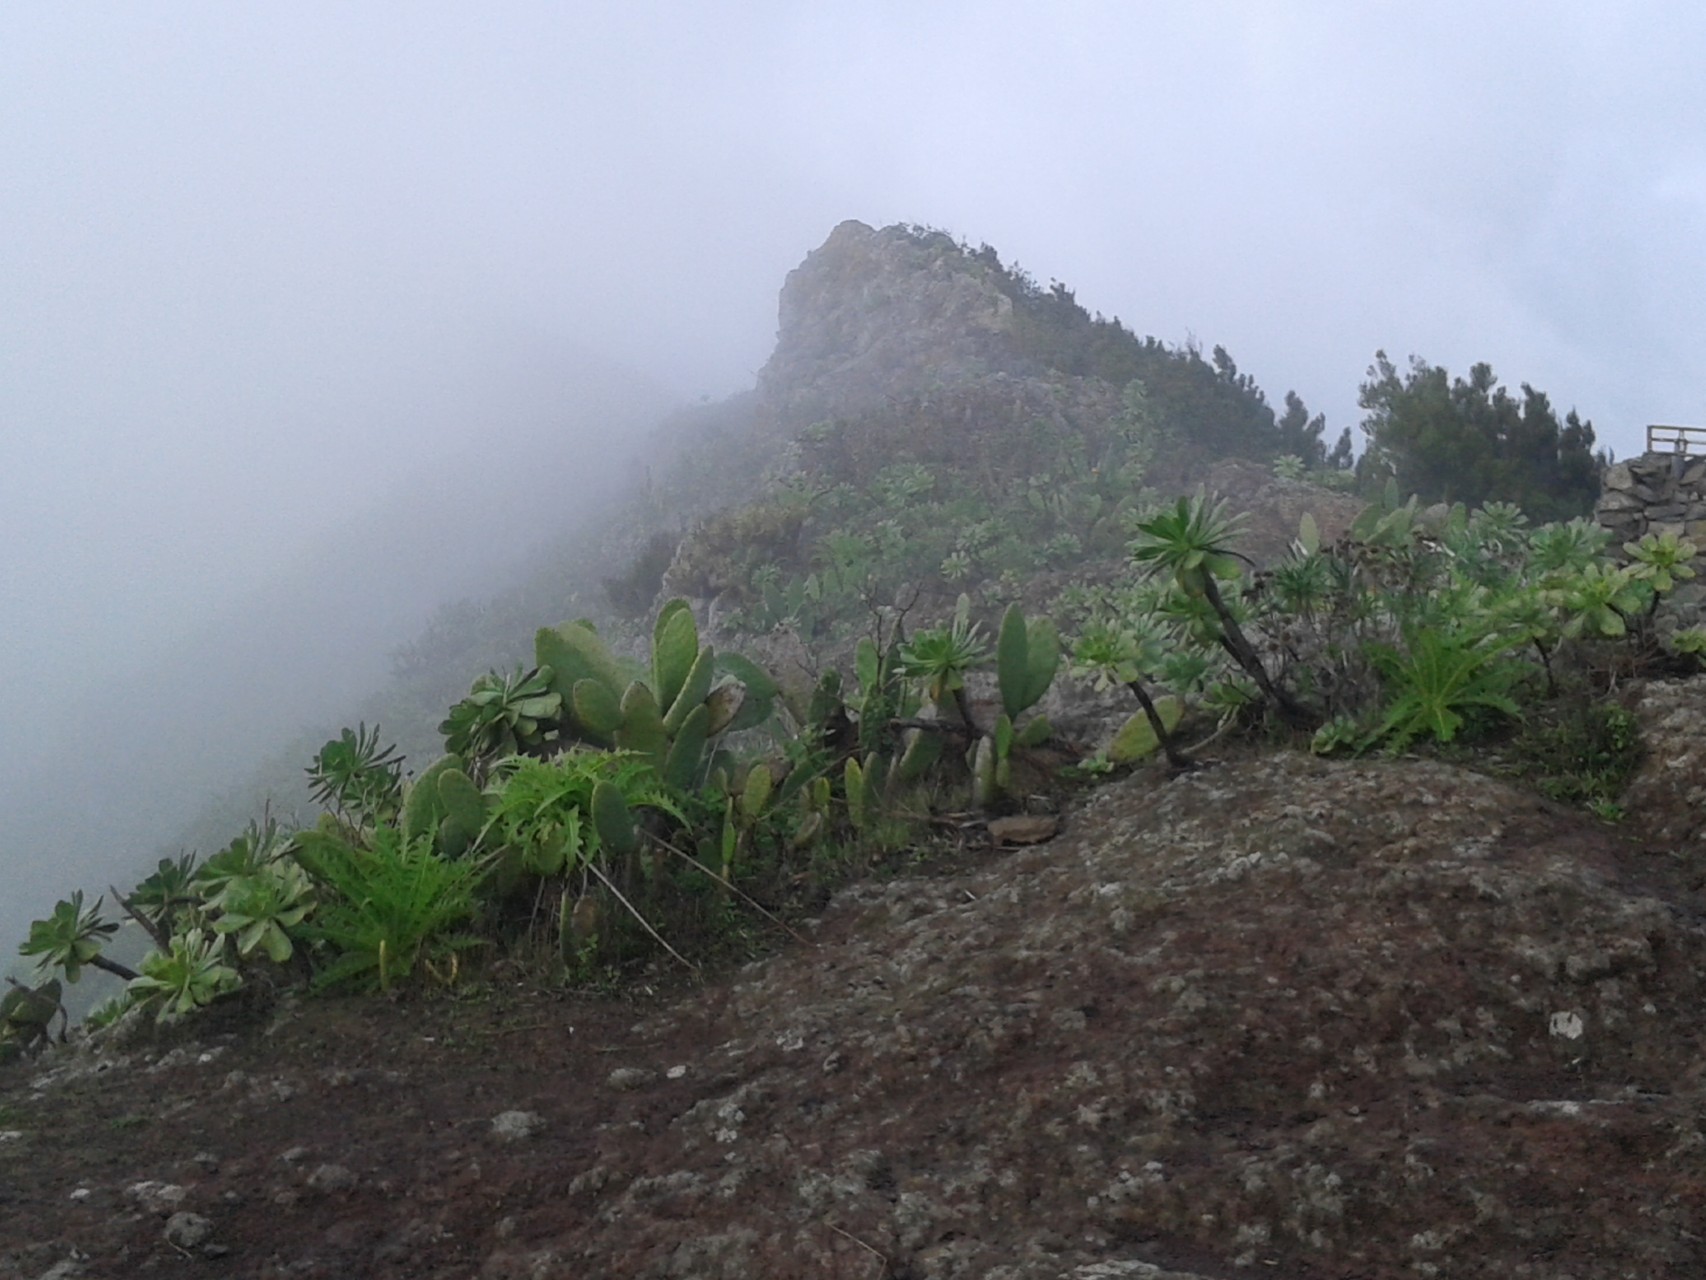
[(266, 268)]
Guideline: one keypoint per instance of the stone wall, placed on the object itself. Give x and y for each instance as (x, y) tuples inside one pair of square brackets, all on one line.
[(1661, 493)]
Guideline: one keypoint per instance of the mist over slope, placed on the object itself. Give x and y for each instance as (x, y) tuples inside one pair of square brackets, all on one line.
[(553, 478), (515, 447)]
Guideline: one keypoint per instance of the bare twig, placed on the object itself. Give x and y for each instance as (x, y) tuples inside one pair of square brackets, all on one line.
[(730, 885), (635, 912), (870, 1249), (148, 926)]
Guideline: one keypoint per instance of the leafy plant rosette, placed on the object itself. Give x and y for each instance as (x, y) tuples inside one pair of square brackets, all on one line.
[(941, 657), (503, 715), (356, 777), (167, 895), (190, 974), (260, 910), (71, 938)]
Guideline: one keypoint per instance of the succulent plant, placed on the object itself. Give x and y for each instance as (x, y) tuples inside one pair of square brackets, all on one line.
[(357, 778), (192, 973), (504, 716), (1027, 655), (669, 711), (941, 657), (26, 1018), (71, 938), (260, 910)]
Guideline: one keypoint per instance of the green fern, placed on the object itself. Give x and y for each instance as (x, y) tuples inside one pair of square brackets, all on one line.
[(387, 911), (1438, 676)]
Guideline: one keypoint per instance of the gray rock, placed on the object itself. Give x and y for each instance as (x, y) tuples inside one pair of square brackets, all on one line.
[(515, 1126), (188, 1230), (157, 1197), (630, 1078), (331, 1177)]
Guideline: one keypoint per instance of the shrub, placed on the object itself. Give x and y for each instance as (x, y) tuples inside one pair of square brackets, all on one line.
[(1580, 752)]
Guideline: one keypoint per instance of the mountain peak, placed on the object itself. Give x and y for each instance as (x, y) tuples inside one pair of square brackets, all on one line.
[(871, 313)]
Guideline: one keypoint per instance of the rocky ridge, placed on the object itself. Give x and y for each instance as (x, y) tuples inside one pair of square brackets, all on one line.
[(871, 312)]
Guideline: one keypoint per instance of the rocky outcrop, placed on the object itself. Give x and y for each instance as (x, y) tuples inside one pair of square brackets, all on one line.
[(1271, 508), (1283, 1016), (1661, 493), (1377, 1019), (1667, 796), (872, 314)]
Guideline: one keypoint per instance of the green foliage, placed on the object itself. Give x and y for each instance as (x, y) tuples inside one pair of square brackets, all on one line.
[(1139, 738), (1470, 440), (466, 810), (545, 814), (1129, 643), (71, 938), (1600, 600), (356, 778), (1438, 676), (613, 820), (573, 652), (1112, 651), (26, 1019), (1580, 751), (963, 485), (1027, 655), (672, 711), (108, 1011), (1566, 548), (1192, 542), (251, 854), (424, 807), (1343, 736), (941, 657), (758, 689), (1661, 560), (1691, 642), (503, 716), (190, 974), (165, 896), (386, 912), (259, 910)]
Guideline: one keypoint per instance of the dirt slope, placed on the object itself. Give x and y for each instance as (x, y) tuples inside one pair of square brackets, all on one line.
[(1283, 1017)]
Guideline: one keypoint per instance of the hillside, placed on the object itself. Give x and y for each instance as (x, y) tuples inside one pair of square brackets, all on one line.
[(1282, 1017), (896, 348), (932, 847)]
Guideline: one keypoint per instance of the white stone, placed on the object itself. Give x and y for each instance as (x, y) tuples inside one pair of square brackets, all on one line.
[(1567, 1024)]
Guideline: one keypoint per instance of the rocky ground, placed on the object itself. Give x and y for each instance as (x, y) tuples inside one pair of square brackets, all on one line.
[(1282, 1017)]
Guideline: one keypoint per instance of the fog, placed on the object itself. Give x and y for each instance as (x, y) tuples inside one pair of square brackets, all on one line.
[(310, 315)]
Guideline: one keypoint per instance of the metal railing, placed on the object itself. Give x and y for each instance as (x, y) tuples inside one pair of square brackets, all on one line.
[(1665, 439)]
